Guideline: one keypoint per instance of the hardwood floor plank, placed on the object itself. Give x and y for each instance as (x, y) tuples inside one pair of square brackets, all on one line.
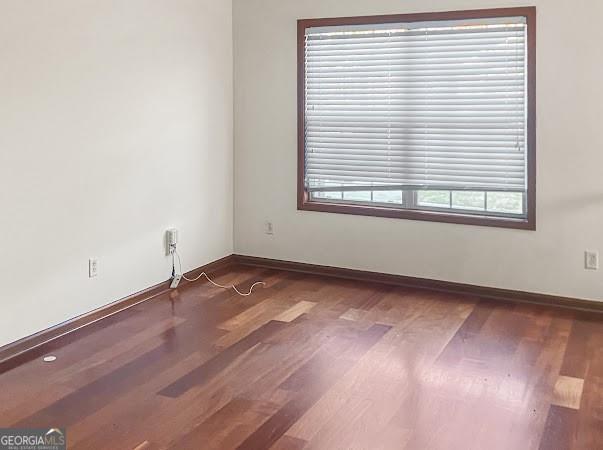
[(220, 431), (66, 375), (96, 394), (295, 311), (343, 414), (353, 314), (589, 423), (568, 392), (289, 443), (560, 429), (468, 333), (325, 368), (211, 368), (142, 411)]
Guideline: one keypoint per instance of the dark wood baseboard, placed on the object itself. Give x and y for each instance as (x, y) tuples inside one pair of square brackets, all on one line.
[(506, 295), (28, 343)]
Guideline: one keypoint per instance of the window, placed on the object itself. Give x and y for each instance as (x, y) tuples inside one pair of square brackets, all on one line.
[(421, 116)]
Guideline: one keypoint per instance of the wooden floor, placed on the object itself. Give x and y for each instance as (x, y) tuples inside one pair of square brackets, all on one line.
[(318, 363)]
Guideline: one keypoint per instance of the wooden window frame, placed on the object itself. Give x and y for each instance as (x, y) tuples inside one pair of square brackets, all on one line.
[(303, 199)]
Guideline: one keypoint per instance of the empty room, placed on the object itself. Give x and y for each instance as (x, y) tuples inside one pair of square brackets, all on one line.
[(301, 224)]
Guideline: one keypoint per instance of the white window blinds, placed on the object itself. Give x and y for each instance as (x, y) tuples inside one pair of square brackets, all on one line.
[(420, 105)]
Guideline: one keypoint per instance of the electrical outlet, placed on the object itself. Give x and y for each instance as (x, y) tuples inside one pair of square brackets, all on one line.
[(92, 267), (268, 228), (591, 260)]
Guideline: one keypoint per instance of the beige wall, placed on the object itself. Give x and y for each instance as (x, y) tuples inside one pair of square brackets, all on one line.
[(570, 159), (115, 124)]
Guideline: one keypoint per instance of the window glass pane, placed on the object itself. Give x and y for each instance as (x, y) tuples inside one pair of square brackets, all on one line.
[(505, 202), (439, 199), (357, 196), (468, 200), (327, 195), (388, 197)]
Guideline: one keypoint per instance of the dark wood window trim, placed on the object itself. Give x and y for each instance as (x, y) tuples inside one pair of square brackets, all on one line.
[(529, 223)]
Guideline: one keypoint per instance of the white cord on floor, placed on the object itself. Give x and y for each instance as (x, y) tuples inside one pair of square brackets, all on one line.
[(203, 274)]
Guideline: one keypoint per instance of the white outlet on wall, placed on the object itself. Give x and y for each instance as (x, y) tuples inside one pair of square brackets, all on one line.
[(268, 227), (92, 267), (591, 260)]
